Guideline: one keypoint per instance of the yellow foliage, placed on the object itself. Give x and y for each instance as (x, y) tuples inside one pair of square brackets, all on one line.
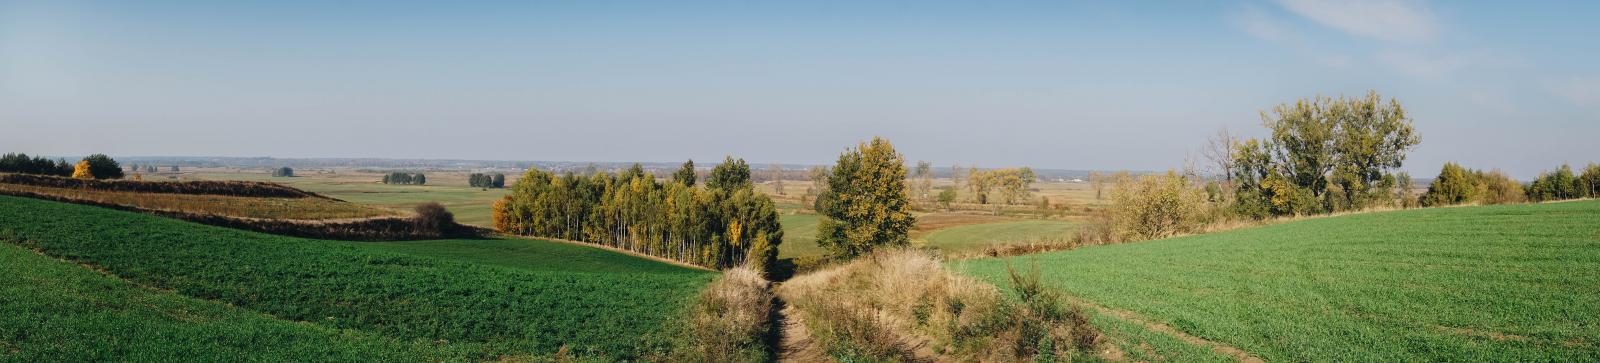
[(81, 171), (733, 233)]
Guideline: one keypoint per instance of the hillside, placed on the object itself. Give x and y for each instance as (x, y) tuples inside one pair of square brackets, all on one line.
[(1505, 283), (599, 304)]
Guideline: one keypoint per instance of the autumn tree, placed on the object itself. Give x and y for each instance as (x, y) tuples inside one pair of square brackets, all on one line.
[(1559, 184), (980, 183), (103, 167), (1322, 154), (818, 175), (922, 185), (777, 178), (1452, 186), (865, 205), (1097, 181), (82, 170)]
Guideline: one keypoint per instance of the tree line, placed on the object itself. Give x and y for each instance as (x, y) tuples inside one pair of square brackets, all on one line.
[(283, 172), (722, 224), (405, 178), (97, 166), (481, 180), (1458, 185)]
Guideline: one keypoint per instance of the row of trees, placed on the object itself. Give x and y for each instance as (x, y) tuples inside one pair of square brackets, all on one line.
[(1014, 184), (149, 168), (1561, 184), (406, 178), (721, 224), (1323, 155), (1458, 185), (23, 164), (481, 180)]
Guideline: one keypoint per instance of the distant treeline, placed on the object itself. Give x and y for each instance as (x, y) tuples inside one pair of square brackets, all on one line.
[(21, 163), (725, 223), (481, 180), (405, 178), (283, 172), (210, 187), (1458, 185)]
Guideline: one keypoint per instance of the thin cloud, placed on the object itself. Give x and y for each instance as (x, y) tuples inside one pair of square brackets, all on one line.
[(1256, 22), (1389, 20), (1580, 91)]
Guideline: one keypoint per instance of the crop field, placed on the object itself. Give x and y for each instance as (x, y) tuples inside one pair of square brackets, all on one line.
[(223, 205), (1501, 283), (52, 310), (520, 304), (470, 205), (973, 236)]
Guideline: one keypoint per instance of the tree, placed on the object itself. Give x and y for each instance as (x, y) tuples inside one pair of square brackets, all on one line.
[(1098, 182), (731, 174), (1452, 186), (1219, 152), (1559, 184), (174, 169), (1403, 187), (947, 196), (865, 205), (922, 188), (82, 171), (21, 163), (1323, 154), (777, 178), (685, 174), (103, 167), (498, 181), (283, 172), (980, 183), (818, 175), (1589, 183)]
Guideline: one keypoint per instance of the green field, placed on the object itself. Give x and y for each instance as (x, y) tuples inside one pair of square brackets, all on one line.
[(52, 310), (470, 205), (961, 238), (799, 236), (511, 300), (1501, 283)]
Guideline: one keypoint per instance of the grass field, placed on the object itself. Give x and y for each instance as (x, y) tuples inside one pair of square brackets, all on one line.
[(52, 310), (799, 236), (969, 237), (470, 205), (422, 291), (1501, 283)]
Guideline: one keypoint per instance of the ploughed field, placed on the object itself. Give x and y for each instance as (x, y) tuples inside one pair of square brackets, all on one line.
[(260, 295), (1502, 283)]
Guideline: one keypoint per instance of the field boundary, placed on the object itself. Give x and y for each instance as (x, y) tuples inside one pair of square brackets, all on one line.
[(614, 249), (1158, 327)]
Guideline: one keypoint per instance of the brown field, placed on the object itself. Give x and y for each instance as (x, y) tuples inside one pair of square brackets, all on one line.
[(231, 206)]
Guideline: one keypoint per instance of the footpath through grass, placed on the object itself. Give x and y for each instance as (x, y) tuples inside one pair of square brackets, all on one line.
[(420, 291), (1502, 283)]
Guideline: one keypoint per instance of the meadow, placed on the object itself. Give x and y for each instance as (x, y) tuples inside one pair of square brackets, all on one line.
[(1500, 283), (470, 205), (528, 304), (210, 204)]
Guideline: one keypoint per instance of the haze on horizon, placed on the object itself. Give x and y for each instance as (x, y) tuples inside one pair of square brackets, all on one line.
[(1064, 85)]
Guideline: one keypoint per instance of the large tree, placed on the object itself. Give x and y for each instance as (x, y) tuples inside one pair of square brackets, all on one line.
[(1322, 154), (731, 174), (103, 167), (685, 174), (865, 205)]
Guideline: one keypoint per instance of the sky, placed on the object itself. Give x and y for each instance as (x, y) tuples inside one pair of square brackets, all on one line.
[(1103, 85)]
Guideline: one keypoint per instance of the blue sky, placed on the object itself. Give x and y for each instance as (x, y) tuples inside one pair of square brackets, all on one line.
[(1078, 85)]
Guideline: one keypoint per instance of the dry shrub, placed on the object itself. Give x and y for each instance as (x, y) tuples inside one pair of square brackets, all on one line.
[(730, 322), (432, 219), (901, 304), (1156, 206)]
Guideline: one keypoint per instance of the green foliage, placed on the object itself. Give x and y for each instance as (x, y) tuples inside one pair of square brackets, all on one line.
[(865, 205), (729, 175), (400, 178), (1332, 153), (685, 174), (103, 167), (21, 163), (947, 196), (481, 180), (1458, 185), (1588, 184), (1557, 185), (488, 311), (712, 227), (283, 172), (1490, 283)]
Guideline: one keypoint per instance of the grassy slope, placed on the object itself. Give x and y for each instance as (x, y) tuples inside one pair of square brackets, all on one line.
[(526, 254), (981, 235), (56, 311), (1515, 282), (488, 309), (799, 236)]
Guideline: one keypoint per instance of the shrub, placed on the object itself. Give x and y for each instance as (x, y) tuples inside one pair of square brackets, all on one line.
[(433, 219), (103, 167), (730, 321), (1453, 186), (1156, 206)]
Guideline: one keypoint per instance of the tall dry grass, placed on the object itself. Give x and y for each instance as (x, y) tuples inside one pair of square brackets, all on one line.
[(902, 305), (731, 321)]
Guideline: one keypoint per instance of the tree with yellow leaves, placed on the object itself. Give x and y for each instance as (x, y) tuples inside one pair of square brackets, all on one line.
[(865, 205), (81, 171)]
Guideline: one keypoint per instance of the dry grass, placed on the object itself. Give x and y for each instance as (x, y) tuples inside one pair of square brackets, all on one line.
[(902, 305), (232, 206), (730, 322)]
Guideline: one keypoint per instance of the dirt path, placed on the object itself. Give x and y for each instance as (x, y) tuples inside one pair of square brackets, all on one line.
[(794, 341), (1218, 347)]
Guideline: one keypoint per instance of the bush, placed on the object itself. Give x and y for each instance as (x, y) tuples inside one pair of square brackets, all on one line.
[(1156, 206), (103, 167), (433, 219)]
